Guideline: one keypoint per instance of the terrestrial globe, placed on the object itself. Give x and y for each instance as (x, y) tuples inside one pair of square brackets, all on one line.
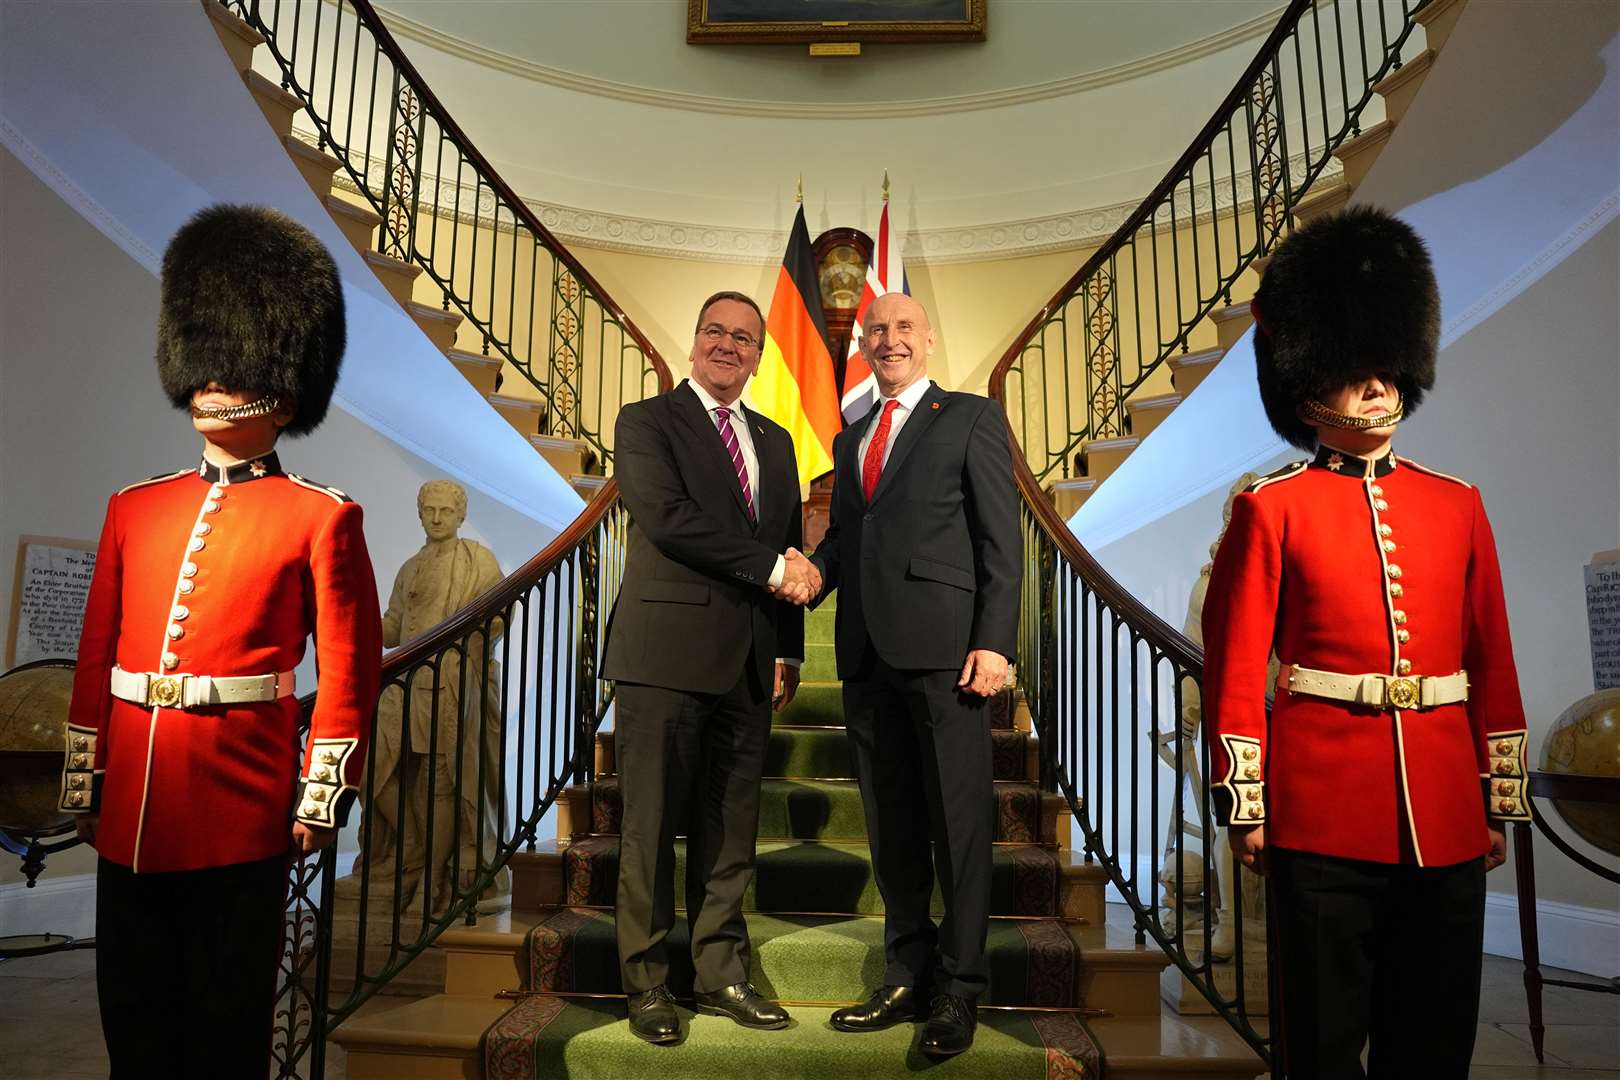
[(1585, 741)]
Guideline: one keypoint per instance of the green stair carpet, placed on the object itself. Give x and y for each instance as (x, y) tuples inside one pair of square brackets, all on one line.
[(587, 1040), (819, 877), (807, 810), (816, 932), (836, 959)]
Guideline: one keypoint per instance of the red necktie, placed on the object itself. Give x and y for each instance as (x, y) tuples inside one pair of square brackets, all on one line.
[(872, 467)]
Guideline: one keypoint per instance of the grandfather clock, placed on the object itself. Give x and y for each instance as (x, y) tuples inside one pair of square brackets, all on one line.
[(841, 255)]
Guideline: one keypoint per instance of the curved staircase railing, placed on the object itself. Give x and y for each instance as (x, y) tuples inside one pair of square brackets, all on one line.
[(1146, 293), (500, 705), (1111, 687), (445, 209)]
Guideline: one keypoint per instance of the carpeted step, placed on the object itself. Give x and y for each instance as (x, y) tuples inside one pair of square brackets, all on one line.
[(820, 624), (816, 704), (830, 810), (546, 1036), (823, 753), (808, 877), (837, 959), (820, 662)]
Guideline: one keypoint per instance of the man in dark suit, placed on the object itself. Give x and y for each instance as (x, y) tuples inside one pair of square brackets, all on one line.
[(705, 637), (924, 541)]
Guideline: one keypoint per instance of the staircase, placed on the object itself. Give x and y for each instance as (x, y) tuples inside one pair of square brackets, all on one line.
[(1150, 314), (1072, 992), (537, 341)]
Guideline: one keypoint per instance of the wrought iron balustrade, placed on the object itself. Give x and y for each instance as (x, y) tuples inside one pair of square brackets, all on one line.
[(445, 209), (519, 727), (1137, 301)]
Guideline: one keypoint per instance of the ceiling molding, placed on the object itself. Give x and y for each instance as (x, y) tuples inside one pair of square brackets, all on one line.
[(410, 29), (581, 227)]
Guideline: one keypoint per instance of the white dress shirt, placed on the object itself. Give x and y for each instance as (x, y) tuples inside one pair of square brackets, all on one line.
[(745, 443), (908, 399)]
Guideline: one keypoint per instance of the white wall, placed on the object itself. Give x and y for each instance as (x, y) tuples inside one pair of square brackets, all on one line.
[(1527, 407), (81, 413)]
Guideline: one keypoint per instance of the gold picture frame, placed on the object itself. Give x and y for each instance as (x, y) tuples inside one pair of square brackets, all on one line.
[(781, 22)]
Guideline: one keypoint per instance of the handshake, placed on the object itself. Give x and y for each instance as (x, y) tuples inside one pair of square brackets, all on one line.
[(801, 581)]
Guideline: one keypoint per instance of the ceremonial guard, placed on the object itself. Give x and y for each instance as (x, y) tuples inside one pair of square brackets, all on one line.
[(183, 748), (1376, 795)]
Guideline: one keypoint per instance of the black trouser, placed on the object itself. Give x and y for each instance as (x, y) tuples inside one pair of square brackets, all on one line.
[(186, 967), (1382, 955), (688, 761), (922, 756)]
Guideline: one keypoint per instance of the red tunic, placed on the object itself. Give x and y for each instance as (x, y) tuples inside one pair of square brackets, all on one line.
[(222, 574), (1357, 566)]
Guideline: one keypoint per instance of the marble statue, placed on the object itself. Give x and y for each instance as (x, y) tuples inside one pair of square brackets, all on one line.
[(445, 576)]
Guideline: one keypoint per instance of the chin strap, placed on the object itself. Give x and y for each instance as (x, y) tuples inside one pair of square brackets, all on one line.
[(1314, 412), (261, 407)]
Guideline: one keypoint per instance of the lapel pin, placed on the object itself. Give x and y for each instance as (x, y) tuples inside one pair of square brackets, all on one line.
[(936, 406)]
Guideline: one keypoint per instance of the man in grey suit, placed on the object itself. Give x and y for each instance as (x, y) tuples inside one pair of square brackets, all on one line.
[(925, 544), (704, 639)]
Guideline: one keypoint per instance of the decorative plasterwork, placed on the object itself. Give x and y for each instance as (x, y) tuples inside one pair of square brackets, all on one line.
[(495, 60), (713, 243)]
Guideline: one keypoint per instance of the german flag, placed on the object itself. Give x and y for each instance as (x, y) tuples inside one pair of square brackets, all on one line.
[(795, 385)]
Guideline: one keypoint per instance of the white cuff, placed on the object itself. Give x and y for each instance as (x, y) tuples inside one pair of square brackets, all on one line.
[(777, 573), (789, 661)]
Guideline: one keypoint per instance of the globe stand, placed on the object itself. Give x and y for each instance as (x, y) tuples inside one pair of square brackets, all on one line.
[(33, 850), (1555, 786)]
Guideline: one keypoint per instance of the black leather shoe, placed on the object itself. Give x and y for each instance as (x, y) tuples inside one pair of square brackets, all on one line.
[(888, 1006), (652, 1017), (950, 1026), (743, 1004)]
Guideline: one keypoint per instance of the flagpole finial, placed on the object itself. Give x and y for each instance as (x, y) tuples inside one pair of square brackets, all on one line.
[(801, 189), (885, 185)]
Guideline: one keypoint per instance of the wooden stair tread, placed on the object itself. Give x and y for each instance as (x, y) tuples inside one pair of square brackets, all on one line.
[(1196, 359), (1074, 483), (558, 442), (1157, 401), (1230, 312), (300, 149), (388, 264), (227, 20), (1404, 74), (1118, 442), (443, 1021), (462, 356), (338, 206), (272, 90), (526, 404), (430, 313), (1173, 1045)]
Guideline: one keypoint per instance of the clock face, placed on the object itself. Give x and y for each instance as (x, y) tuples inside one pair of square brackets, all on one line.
[(841, 274)]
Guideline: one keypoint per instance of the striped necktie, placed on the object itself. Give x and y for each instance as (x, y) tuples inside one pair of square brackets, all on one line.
[(722, 420)]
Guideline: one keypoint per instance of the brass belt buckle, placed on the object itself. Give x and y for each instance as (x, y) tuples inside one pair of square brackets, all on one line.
[(165, 691), (1401, 693)]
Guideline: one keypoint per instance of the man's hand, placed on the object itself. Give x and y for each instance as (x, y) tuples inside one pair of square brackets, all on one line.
[(308, 839), (85, 826), (984, 673), (1498, 853), (1249, 846), (787, 684), (801, 581)]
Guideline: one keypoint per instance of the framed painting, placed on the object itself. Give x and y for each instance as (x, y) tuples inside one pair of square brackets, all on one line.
[(772, 22)]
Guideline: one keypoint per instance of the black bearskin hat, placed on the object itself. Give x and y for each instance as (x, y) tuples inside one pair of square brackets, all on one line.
[(251, 300), (1346, 294)]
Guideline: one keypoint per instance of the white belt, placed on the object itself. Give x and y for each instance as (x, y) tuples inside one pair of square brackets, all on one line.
[(1378, 691), (189, 691)]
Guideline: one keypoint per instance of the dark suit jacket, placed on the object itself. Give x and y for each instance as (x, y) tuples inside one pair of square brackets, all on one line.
[(693, 602), (930, 569)]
